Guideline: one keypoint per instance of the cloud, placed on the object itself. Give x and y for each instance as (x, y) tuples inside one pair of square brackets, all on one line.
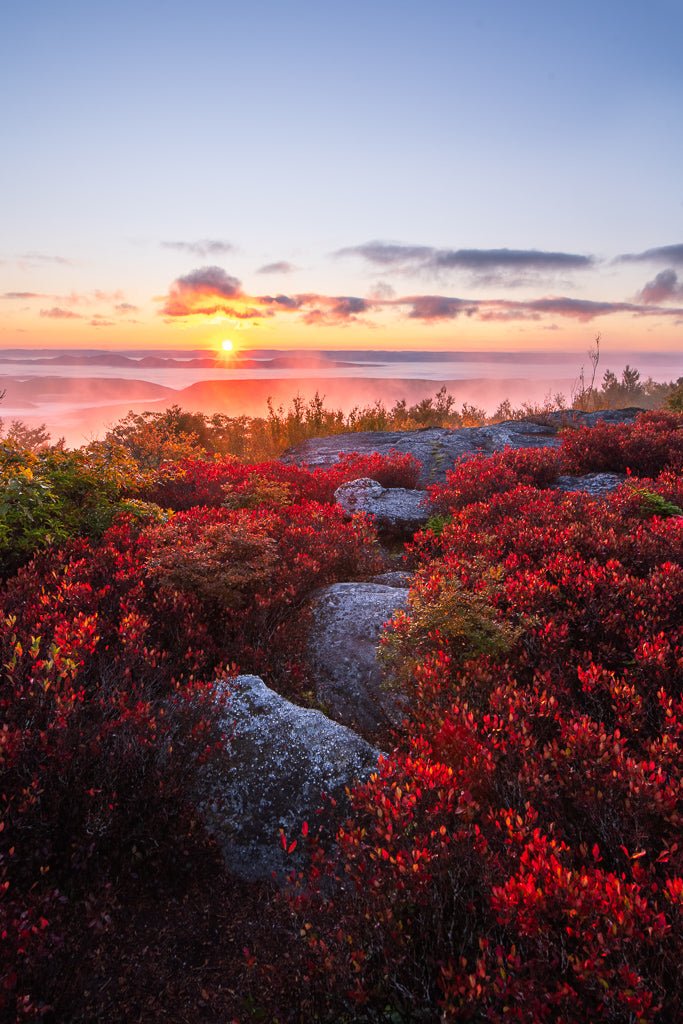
[(441, 307), (662, 254), (41, 257), (437, 307), (207, 291), (389, 254), (509, 259), (577, 309), (333, 310), (489, 262), (125, 307), (58, 313), (349, 305), (100, 321), (100, 296), (665, 288), (282, 267), (283, 301), (382, 290), (24, 295), (210, 291), (203, 248)]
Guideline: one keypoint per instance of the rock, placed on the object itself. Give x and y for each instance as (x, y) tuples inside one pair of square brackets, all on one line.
[(595, 484), (342, 651), (397, 511), (573, 418), (437, 448), (394, 578), (279, 760)]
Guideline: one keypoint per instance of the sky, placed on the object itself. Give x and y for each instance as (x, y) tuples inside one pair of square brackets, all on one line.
[(432, 175)]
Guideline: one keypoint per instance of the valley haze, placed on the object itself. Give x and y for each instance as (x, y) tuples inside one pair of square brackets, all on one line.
[(79, 394)]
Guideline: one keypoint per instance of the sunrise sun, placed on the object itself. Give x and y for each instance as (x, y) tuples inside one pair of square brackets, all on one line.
[(227, 345)]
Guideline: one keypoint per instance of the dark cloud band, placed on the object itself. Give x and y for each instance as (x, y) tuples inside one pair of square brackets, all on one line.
[(662, 254), (426, 258)]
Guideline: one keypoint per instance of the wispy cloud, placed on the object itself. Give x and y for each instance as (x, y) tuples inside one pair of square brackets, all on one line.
[(334, 310), (59, 313), (389, 254), (42, 257), (281, 267), (577, 309), (662, 254), (665, 287), (125, 307), (489, 264), (441, 307), (24, 295), (203, 248), (437, 307)]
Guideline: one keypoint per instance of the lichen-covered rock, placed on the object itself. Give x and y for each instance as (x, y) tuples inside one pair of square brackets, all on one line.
[(437, 448), (342, 651), (595, 484), (279, 760), (397, 511)]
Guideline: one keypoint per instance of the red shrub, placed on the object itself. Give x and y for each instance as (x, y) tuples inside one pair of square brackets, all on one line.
[(647, 447), (192, 482), (518, 857), (102, 647), (479, 477)]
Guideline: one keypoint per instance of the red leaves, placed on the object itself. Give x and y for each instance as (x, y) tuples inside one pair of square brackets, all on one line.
[(535, 803), (226, 481), (287, 846), (645, 448), (477, 478)]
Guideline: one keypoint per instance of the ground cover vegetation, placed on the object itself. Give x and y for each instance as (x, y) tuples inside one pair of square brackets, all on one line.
[(517, 856)]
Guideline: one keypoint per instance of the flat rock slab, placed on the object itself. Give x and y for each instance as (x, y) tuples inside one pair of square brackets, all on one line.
[(397, 511), (437, 448), (342, 651), (596, 484), (279, 760)]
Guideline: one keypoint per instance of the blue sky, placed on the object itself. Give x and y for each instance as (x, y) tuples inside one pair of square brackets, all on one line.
[(288, 132)]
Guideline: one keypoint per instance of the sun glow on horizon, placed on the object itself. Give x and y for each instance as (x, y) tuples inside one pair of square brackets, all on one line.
[(227, 346)]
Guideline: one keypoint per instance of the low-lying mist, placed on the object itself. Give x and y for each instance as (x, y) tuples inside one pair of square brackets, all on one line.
[(78, 395)]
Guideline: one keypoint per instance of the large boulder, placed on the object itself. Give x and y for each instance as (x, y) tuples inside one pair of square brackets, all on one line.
[(279, 761), (342, 652), (397, 511), (437, 448)]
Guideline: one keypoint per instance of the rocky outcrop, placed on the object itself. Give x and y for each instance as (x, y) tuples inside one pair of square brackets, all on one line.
[(437, 448), (279, 760), (342, 651), (595, 484), (397, 511)]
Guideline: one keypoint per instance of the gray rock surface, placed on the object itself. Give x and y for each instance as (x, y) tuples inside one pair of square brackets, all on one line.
[(342, 651), (437, 448), (595, 484), (397, 511), (394, 578), (279, 760)]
